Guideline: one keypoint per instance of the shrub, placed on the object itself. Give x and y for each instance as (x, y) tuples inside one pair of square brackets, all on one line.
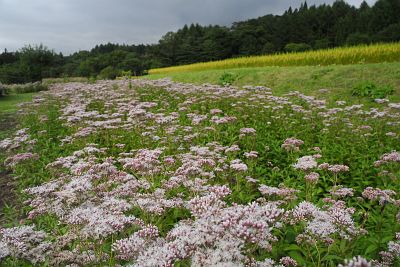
[(357, 39), (108, 73), (294, 47), (226, 79), (369, 89), (321, 44), (268, 48), (126, 74), (389, 34)]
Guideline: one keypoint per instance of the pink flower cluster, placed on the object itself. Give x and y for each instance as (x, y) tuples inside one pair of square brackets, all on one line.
[(392, 157), (306, 163), (292, 144), (24, 242), (172, 176), (18, 158), (383, 196)]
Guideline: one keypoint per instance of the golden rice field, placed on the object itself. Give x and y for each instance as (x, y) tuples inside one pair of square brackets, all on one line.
[(375, 53)]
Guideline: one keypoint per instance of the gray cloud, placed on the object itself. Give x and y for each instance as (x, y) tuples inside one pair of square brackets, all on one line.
[(71, 25)]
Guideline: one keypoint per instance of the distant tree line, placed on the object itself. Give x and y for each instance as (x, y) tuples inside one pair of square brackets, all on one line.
[(299, 29)]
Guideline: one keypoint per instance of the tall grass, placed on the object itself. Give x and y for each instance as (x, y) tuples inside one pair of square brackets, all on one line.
[(49, 81), (25, 88), (342, 55)]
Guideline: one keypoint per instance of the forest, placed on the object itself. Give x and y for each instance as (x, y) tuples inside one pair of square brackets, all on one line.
[(297, 29)]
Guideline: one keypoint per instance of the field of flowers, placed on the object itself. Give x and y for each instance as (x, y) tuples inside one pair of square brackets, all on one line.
[(158, 173), (376, 53)]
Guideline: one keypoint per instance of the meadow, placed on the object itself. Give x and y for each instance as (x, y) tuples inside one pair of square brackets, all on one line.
[(340, 79), (374, 53), (161, 173)]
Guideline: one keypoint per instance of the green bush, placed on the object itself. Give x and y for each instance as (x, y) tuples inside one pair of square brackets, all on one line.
[(126, 74), (226, 79), (389, 34), (297, 47), (369, 89), (108, 73), (321, 44), (358, 38)]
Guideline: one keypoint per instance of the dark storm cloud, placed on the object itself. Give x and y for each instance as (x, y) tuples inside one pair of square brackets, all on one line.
[(71, 25)]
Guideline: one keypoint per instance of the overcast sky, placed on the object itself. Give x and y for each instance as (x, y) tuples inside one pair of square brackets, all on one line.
[(71, 25)]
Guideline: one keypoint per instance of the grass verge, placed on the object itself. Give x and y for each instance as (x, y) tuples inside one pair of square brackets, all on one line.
[(339, 79)]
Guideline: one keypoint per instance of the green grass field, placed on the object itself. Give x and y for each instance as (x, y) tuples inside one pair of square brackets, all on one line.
[(9, 103), (339, 79), (8, 107)]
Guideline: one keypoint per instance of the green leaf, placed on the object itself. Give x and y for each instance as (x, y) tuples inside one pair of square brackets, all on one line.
[(331, 257), (292, 247), (291, 237), (371, 248), (297, 257)]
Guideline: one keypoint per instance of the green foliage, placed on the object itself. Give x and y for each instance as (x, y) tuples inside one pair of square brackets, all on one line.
[(108, 73), (127, 74), (269, 48), (358, 38), (369, 89), (30, 64), (322, 44), (300, 47), (389, 34), (226, 79), (27, 88)]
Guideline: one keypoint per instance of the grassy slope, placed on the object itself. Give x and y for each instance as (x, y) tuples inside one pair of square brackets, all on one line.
[(307, 79)]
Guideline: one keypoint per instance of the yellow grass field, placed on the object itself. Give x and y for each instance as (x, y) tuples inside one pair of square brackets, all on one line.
[(375, 53)]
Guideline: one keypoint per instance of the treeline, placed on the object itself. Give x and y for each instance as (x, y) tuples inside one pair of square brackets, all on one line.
[(299, 29)]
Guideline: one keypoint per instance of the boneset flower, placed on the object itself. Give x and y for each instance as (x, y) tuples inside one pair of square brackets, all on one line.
[(248, 131), (288, 261), (356, 262), (383, 196), (388, 158), (16, 159), (339, 191), (338, 168), (292, 144), (286, 193), (312, 177), (24, 242), (239, 167), (305, 163)]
